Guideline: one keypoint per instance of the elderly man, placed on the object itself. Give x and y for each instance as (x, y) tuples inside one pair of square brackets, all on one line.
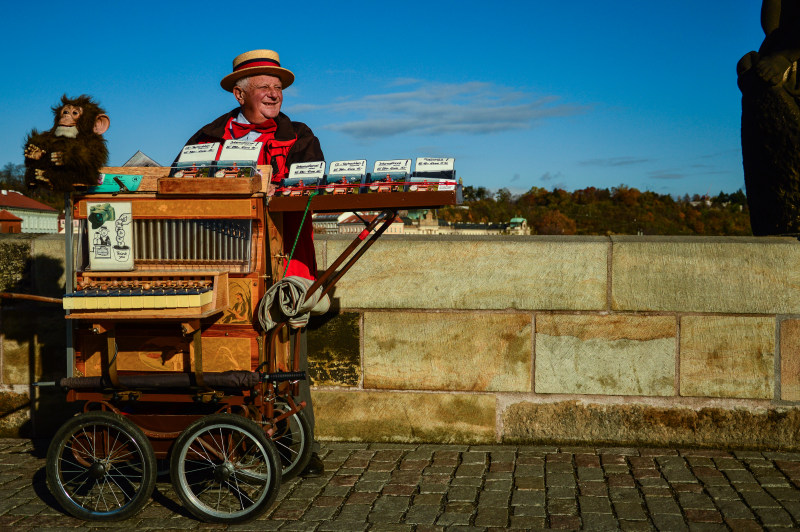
[(257, 83)]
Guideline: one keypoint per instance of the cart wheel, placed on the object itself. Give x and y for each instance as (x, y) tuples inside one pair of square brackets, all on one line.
[(101, 467), (225, 469), (291, 438)]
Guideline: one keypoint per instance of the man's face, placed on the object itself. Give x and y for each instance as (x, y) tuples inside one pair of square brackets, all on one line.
[(262, 99)]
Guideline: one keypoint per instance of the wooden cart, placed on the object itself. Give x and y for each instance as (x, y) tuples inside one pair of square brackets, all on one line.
[(169, 359)]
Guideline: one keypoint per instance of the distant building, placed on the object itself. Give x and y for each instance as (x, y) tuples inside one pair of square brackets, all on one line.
[(426, 222), (140, 159), (10, 223), (327, 223), (518, 226), (36, 216), (416, 222), (355, 224)]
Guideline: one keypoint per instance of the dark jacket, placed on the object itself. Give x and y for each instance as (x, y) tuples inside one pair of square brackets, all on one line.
[(305, 149)]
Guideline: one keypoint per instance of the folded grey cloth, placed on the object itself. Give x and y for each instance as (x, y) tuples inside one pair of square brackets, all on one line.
[(286, 301)]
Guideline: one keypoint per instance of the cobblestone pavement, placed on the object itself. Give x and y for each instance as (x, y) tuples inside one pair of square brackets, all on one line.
[(411, 487)]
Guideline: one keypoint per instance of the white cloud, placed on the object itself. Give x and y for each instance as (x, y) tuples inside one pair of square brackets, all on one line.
[(614, 161), (442, 108)]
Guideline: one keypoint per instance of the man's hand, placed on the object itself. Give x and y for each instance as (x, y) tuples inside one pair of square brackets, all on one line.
[(271, 190), (56, 158), (33, 152)]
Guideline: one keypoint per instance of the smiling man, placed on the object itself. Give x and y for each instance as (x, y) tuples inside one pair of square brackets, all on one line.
[(257, 82)]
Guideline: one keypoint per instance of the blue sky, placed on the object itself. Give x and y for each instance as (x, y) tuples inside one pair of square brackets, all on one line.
[(521, 94)]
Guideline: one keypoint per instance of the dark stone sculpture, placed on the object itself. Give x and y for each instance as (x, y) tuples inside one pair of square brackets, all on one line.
[(771, 121)]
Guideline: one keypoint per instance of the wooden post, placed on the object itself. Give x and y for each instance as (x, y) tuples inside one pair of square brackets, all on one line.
[(274, 221)]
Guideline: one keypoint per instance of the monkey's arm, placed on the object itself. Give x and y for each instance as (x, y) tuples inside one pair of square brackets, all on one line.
[(37, 144)]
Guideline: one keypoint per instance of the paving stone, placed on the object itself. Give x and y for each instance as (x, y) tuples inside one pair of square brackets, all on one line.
[(560, 479), (774, 516), (422, 515), (759, 499), (630, 511), (527, 498), (498, 484), (462, 493), (420, 491), (635, 526), (527, 522), (695, 501), (595, 505), (602, 521), (562, 507), (744, 525), (561, 492), (695, 515), (663, 506), (535, 511), (590, 473), (493, 499), (492, 517), (722, 493), (475, 482), (734, 510), (453, 518), (669, 522), (565, 522)]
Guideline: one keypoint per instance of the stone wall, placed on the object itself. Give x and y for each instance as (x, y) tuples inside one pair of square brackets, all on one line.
[(618, 340), (624, 340)]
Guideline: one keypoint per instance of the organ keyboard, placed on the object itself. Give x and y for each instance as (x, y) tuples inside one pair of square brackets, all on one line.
[(123, 295)]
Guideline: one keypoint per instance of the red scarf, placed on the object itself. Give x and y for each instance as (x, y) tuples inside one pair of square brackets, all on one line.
[(274, 152)]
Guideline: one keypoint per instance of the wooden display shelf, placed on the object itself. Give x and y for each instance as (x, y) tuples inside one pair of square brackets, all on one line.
[(216, 186), (156, 179), (365, 202)]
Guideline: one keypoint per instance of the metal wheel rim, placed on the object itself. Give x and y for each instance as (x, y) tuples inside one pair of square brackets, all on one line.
[(250, 470), (290, 443), (117, 452)]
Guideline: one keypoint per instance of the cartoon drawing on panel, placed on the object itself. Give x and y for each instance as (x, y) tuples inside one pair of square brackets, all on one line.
[(121, 250)]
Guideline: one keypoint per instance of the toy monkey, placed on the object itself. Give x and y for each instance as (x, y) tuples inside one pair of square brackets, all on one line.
[(73, 151)]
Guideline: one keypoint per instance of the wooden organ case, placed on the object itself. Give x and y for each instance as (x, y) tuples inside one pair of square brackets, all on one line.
[(172, 283), (167, 278)]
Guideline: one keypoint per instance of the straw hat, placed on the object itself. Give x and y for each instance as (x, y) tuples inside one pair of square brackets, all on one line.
[(254, 63)]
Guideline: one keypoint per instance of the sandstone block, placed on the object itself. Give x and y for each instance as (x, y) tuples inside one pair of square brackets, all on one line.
[(790, 360), (706, 274), (477, 273), (447, 351), (404, 417), (14, 262), (47, 269), (725, 356), (580, 423), (608, 355), (334, 349), (16, 410), (17, 357)]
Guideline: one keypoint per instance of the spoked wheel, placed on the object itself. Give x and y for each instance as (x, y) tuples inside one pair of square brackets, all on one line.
[(225, 469), (101, 467), (291, 438)]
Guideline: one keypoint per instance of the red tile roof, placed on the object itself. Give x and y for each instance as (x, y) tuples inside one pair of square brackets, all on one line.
[(6, 216), (16, 200)]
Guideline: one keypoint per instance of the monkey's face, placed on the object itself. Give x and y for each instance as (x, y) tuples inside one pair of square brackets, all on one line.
[(69, 115)]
